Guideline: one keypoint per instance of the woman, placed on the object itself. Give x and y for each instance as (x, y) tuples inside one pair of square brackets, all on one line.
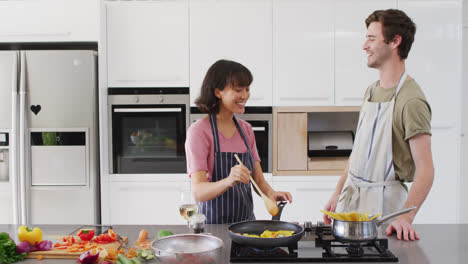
[(219, 183)]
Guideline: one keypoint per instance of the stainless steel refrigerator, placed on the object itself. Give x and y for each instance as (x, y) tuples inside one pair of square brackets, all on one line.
[(49, 162)]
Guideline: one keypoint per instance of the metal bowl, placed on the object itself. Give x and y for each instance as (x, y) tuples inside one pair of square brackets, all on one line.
[(188, 248)]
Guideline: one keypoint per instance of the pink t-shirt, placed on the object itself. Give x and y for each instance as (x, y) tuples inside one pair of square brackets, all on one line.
[(199, 145)]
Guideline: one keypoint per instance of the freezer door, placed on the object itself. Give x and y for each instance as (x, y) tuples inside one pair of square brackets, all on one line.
[(8, 84), (60, 90)]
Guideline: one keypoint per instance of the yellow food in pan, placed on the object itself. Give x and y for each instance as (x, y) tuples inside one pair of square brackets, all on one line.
[(271, 234), (351, 216)]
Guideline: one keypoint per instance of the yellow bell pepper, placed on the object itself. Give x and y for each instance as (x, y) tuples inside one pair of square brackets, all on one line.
[(29, 235)]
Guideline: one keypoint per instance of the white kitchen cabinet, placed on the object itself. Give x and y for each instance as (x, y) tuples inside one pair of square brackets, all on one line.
[(146, 202), (435, 58), (147, 44), (309, 194), (235, 30), (303, 56), (49, 21), (442, 203), (352, 76)]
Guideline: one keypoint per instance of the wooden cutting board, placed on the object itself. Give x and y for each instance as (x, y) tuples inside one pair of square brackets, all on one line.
[(55, 253)]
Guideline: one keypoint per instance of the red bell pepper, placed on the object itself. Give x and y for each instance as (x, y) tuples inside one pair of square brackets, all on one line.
[(86, 234), (109, 237)]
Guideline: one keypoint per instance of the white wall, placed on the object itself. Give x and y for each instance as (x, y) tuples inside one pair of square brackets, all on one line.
[(464, 125)]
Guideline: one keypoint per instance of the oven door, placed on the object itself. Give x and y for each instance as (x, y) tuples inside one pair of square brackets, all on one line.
[(261, 129), (148, 138)]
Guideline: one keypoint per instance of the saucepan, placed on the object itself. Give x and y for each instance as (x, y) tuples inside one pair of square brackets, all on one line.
[(362, 231), (258, 226), (188, 248)]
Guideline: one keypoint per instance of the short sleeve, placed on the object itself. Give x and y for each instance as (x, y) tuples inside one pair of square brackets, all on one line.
[(416, 118), (197, 148)]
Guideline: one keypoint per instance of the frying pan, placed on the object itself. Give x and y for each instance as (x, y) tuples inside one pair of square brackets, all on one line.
[(362, 231), (257, 227)]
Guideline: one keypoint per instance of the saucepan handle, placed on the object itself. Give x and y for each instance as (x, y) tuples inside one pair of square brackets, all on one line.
[(397, 213), (280, 210)]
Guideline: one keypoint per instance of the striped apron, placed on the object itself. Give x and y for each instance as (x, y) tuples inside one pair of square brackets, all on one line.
[(371, 184), (236, 203)]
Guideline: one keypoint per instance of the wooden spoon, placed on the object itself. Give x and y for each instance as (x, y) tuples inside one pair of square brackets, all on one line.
[(271, 205)]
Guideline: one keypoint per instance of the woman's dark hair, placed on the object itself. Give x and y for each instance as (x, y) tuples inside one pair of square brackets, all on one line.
[(395, 22), (219, 75)]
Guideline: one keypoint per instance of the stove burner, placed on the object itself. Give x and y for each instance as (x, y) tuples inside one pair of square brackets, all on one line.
[(355, 250), (319, 245)]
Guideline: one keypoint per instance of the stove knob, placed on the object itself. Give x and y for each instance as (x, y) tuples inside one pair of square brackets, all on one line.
[(136, 99)]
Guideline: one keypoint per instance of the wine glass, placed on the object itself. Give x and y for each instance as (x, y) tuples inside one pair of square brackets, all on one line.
[(187, 205)]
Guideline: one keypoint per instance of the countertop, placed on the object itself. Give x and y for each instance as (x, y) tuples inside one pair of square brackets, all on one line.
[(446, 243)]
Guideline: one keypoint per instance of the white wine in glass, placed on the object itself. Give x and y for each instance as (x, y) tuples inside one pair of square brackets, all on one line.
[(187, 205), (188, 210)]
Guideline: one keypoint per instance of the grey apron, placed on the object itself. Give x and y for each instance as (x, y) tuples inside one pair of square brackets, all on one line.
[(236, 204)]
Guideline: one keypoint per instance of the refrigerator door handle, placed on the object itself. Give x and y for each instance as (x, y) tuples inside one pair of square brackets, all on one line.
[(22, 138), (14, 141)]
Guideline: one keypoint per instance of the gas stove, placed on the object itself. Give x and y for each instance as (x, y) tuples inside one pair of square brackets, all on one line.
[(317, 245)]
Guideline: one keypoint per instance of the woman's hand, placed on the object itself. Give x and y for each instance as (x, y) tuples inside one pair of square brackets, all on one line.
[(331, 207), (239, 173), (281, 196)]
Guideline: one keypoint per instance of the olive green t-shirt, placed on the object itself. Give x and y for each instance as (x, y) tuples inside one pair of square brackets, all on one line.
[(411, 116)]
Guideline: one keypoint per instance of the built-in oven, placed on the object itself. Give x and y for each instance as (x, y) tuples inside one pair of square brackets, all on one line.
[(261, 119), (148, 129)]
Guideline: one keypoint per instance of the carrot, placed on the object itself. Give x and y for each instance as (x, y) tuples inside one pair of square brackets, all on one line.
[(40, 257), (143, 235)]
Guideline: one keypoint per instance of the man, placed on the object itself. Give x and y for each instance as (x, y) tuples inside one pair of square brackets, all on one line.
[(393, 136)]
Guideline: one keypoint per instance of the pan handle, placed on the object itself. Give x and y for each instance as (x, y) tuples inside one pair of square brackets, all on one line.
[(397, 213), (280, 210)]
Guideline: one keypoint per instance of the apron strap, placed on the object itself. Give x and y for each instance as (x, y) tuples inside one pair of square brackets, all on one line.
[(245, 140), (214, 129)]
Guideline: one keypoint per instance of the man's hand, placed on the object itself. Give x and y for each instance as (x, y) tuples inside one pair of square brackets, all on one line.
[(403, 228), (331, 207)]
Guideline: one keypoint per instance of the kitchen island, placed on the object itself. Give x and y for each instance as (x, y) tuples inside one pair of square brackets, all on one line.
[(442, 243)]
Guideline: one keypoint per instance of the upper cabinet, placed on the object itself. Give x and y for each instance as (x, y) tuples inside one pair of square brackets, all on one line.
[(235, 30), (435, 58), (303, 57), (352, 76), (148, 43), (49, 21)]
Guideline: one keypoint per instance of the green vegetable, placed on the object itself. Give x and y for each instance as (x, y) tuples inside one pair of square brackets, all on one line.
[(136, 260), (122, 258), (8, 250), (118, 262), (145, 254), (163, 233)]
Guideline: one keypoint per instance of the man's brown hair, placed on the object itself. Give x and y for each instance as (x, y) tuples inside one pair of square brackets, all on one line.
[(395, 22)]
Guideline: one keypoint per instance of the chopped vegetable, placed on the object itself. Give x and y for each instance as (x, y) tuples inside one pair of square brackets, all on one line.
[(122, 258), (111, 236), (8, 250), (143, 235), (24, 247), (32, 236), (86, 234), (106, 262), (88, 258), (44, 245), (163, 233), (145, 254), (136, 260), (40, 257)]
